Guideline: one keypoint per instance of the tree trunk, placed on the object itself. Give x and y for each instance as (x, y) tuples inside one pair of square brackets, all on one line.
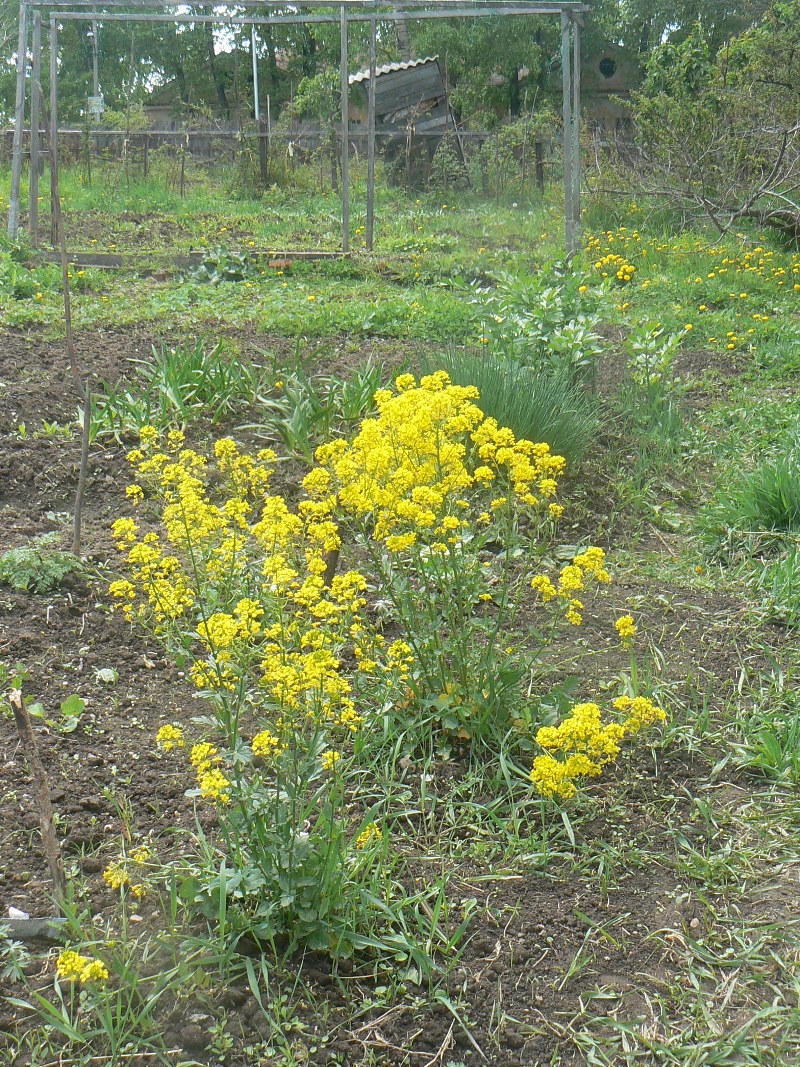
[(514, 99), (403, 38), (216, 73)]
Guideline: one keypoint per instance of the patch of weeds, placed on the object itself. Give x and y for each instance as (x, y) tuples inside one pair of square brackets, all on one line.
[(549, 319), (180, 384), (53, 431), (770, 729), (778, 582), (69, 716), (304, 410), (223, 265), (651, 390), (14, 957), (37, 567)]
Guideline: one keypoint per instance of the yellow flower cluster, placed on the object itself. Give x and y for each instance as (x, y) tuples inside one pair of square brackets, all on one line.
[(615, 265), (223, 530), (118, 873), (587, 743), (265, 745), (72, 967), (169, 737), (585, 567), (329, 759), (408, 470), (212, 783), (371, 833), (639, 712), (626, 628)]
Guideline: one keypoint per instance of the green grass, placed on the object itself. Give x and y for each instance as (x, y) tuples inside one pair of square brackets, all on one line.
[(537, 403)]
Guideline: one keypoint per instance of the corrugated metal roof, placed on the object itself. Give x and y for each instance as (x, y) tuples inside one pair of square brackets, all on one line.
[(388, 68)]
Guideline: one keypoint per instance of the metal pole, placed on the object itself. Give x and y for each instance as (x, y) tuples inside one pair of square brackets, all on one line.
[(54, 206), (566, 138), (19, 123), (256, 104), (371, 133), (345, 90), (36, 80), (576, 120), (95, 61)]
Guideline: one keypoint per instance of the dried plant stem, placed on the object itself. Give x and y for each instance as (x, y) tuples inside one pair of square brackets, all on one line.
[(84, 466), (41, 795)]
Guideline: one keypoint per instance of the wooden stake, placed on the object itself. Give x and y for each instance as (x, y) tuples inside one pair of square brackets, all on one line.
[(345, 161), (84, 467), (19, 123), (55, 208), (33, 184), (41, 795)]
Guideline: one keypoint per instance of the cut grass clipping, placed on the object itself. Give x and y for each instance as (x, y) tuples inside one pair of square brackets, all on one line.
[(538, 404)]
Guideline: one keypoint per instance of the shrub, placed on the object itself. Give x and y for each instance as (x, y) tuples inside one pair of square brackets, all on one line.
[(759, 509)]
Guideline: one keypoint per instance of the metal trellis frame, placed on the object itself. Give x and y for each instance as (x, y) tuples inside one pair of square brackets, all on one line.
[(342, 12)]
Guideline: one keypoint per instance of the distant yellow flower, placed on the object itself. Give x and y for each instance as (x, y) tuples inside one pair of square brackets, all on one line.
[(626, 628), (72, 967), (329, 759), (371, 832)]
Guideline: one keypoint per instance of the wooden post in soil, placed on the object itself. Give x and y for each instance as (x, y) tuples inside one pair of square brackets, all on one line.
[(19, 124), (52, 145), (83, 391), (41, 795), (345, 160), (82, 470)]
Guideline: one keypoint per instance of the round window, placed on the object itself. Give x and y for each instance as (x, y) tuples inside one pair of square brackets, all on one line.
[(608, 67)]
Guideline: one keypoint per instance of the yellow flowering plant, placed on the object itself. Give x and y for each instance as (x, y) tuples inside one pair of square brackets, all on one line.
[(237, 586), (582, 744), (454, 514)]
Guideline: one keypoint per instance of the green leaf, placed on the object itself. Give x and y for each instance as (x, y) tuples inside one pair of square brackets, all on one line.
[(73, 706)]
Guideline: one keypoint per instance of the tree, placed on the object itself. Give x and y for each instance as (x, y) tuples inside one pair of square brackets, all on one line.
[(720, 132)]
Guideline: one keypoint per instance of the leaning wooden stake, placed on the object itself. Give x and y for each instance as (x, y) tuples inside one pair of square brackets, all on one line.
[(87, 420), (41, 795), (58, 228), (83, 391)]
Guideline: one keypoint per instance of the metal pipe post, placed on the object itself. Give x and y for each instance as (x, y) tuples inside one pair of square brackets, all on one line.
[(345, 89), (54, 207), (566, 138), (373, 48), (19, 123), (576, 128), (36, 82), (256, 104)]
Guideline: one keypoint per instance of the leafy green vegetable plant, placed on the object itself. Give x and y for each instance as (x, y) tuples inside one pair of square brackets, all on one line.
[(37, 567)]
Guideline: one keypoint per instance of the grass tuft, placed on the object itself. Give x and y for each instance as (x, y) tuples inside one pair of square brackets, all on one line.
[(538, 404)]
